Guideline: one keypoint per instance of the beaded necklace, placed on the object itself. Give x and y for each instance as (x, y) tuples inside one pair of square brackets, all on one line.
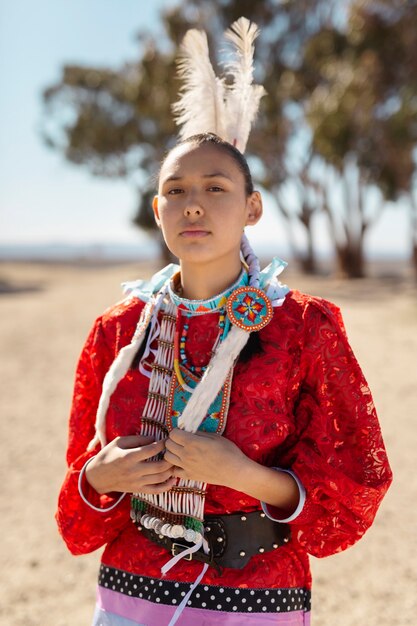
[(180, 356), (200, 307), (181, 339)]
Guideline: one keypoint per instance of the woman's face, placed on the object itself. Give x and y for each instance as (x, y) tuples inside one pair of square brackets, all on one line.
[(201, 204)]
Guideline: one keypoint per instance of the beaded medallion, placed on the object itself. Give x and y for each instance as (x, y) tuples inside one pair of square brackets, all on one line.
[(249, 309)]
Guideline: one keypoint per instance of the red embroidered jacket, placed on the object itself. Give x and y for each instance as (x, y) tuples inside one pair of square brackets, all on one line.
[(300, 403)]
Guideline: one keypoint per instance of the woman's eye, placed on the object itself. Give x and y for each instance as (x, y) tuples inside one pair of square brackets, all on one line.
[(215, 188), (175, 191)]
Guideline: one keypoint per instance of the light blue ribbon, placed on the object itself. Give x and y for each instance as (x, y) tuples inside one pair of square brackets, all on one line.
[(144, 289), (268, 282), (275, 268)]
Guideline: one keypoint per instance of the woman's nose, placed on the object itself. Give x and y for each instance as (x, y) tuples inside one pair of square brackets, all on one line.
[(193, 208)]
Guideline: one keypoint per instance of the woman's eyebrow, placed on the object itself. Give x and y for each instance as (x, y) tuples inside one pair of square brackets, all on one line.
[(171, 178), (174, 178), (217, 175)]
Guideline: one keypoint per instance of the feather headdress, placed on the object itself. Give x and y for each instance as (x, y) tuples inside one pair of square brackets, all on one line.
[(242, 102), (209, 104), (201, 107)]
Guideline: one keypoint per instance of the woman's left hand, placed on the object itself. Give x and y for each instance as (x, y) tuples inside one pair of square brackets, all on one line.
[(205, 457), (213, 459)]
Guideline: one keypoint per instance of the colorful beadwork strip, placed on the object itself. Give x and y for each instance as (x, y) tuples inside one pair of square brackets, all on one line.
[(200, 307)]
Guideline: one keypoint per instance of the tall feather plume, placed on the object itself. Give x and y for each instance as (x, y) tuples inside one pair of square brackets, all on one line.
[(242, 97), (201, 106)]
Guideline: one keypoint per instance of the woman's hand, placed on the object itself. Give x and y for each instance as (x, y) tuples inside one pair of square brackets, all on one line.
[(122, 466), (205, 457), (213, 459)]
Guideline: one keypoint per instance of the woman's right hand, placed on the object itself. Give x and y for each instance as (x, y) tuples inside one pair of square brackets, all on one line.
[(122, 466)]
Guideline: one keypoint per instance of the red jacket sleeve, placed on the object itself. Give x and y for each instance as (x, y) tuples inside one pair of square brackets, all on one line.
[(337, 452), (82, 528)]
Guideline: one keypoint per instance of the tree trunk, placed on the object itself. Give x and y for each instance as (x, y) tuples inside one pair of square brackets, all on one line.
[(351, 261), (305, 259), (308, 260), (414, 233), (414, 258), (349, 236)]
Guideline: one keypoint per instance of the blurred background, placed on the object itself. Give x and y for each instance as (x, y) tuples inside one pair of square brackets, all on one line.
[(85, 118), (86, 91)]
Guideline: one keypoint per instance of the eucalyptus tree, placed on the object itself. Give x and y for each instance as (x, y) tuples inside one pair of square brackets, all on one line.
[(360, 102), (336, 132), (117, 122)]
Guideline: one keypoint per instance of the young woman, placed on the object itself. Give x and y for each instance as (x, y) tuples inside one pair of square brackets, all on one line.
[(237, 416)]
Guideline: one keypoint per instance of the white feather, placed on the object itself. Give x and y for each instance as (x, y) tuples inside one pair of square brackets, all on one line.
[(242, 97), (201, 105)]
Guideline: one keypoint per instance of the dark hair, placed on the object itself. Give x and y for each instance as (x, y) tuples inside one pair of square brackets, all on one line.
[(211, 138)]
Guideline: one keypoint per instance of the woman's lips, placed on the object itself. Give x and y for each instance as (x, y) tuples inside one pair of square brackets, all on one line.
[(194, 233)]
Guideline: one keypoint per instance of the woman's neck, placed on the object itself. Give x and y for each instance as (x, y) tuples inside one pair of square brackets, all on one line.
[(200, 282)]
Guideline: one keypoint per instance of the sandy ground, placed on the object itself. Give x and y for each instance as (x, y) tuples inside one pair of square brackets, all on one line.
[(45, 314)]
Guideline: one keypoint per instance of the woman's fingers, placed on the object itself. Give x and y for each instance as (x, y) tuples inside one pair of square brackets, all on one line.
[(180, 437), (160, 477), (173, 446), (124, 465), (143, 452), (153, 467), (133, 441), (172, 459), (173, 452), (160, 487)]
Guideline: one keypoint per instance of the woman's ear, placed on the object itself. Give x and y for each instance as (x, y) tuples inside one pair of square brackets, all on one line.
[(156, 211), (254, 208)]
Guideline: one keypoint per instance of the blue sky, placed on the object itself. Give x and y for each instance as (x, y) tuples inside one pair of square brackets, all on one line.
[(44, 199)]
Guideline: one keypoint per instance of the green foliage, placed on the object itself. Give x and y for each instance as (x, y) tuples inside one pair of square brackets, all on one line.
[(360, 94), (341, 82), (114, 122)]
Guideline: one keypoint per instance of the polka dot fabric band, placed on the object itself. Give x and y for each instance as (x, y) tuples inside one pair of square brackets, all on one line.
[(213, 597)]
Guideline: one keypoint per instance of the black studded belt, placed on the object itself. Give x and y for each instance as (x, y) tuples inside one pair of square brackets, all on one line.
[(233, 539)]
